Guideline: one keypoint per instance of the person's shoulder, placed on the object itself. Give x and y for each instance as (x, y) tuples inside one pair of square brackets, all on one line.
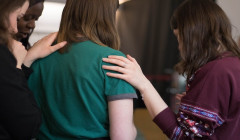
[(111, 51), (5, 52), (227, 62), (223, 65), (104, 50)]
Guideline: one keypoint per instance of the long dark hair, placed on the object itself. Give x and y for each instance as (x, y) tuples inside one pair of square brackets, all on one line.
[(94, 19), (6, 7), (204, 29)]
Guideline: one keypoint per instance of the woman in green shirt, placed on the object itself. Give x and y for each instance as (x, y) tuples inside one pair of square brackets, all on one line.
[(78, 100)]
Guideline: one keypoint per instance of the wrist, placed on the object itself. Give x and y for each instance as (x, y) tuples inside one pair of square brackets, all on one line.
[(28, 61), (144, 86), (19, 66)]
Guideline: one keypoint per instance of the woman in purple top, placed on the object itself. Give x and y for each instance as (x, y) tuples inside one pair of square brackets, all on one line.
[(210, 60)]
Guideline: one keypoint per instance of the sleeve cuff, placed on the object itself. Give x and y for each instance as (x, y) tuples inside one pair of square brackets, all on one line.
[(121, 96), (26, 70), (166, 121)]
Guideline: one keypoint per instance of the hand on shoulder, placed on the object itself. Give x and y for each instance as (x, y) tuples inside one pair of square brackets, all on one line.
[(129, 70), (43, 48)]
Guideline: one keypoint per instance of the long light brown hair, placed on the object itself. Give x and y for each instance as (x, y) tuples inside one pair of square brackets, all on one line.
[(94, 19), (6, 7), (204, 29)]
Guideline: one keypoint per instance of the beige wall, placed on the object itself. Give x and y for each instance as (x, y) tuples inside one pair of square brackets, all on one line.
[(232, 9)]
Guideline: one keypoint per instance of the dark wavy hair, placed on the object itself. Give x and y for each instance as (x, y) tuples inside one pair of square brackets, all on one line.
[(204, 29), (93, 19), (6, 7)]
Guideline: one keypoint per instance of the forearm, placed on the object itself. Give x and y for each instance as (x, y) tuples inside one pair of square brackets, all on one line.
[(19, 65), (152, 99), (29, 60), (129, 133)]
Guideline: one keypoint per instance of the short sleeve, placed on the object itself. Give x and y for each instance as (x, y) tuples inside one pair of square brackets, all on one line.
[(116, 89)]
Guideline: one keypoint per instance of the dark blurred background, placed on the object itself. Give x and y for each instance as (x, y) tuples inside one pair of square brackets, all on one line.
[(145, 34)]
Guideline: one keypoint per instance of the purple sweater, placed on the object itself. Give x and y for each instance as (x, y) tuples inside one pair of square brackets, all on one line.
[(211, 107)]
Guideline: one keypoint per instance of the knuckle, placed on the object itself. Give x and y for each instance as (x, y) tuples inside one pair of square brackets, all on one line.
[(118, 68)]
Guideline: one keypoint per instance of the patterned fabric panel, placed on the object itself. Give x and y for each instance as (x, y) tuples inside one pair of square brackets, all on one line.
[(195, 122), (202, 113)]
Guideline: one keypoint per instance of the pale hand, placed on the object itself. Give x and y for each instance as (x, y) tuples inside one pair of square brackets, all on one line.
[(129, 70), (179, 97), (42, 48), (19, 52)]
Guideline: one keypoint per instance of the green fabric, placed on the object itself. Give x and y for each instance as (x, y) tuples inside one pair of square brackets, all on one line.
[(72, 89)]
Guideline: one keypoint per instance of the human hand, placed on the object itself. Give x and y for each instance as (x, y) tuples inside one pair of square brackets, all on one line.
[(129, 70), (179, 97), (19, 52), (42, 48)]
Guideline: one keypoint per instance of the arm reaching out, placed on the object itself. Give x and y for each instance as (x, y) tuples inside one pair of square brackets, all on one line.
[(42, 48), (130, 71), (174, 126)]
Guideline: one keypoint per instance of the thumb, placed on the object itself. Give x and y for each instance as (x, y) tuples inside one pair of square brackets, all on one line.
[(58, 46)]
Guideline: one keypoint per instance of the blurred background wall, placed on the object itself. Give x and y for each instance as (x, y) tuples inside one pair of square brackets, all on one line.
[(232, 9), (145, 33), (49, 21)]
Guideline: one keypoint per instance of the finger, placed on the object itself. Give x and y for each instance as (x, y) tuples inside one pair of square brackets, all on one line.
[(114, 68), (124, 59), (52, 37), (178, 98), (59, 45), (116, 75), (49, 39), (179, 95), (133, 60), (115, 61)]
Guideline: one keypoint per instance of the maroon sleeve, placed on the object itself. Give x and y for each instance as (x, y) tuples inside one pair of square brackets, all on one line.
[(204, 108), (169, 123)]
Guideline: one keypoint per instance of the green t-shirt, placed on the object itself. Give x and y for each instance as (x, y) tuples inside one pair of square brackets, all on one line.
[(72, 91)]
